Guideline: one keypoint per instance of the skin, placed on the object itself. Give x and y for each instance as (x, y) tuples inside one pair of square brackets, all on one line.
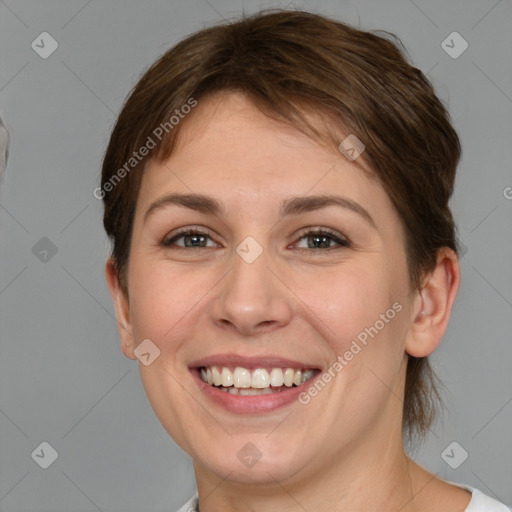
[(343, 450)]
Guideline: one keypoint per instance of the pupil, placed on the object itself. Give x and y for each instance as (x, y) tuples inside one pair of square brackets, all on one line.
[(194, 239), (325, 242)]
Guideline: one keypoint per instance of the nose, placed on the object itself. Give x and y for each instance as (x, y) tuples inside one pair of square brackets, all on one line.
[(251, 299)]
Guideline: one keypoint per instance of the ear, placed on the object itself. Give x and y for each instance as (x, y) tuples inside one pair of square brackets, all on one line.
[(122, 305), (433, 305)]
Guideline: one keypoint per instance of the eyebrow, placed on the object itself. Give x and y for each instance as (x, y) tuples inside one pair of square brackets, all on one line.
[(291, 206)]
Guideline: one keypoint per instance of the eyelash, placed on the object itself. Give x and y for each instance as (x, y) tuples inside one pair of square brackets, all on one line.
[(341, 241)]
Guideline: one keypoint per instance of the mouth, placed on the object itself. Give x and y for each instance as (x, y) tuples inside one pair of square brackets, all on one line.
[(259, 381), (252, 384)]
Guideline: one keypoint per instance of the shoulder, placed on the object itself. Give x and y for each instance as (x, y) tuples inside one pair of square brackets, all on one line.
[(480, 502), (438, 495), (191, 505)]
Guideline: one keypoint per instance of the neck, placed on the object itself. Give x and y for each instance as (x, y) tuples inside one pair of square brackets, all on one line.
[(358, 479)]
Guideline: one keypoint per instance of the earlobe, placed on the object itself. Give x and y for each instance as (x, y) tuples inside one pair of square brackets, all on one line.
[(434, 305), (122, 307)]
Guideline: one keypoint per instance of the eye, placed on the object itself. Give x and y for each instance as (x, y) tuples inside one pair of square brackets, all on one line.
[(196, 238), (192, 238), (322, 239)]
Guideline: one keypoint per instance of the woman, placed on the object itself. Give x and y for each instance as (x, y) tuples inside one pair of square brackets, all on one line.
[(284, 262)]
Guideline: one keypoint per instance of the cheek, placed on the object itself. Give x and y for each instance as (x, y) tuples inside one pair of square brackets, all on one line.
[(343, 302), (360, 315), (162, 306), (163, 301)]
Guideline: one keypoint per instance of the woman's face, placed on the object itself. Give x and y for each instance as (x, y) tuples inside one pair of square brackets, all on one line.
[(251, 289)]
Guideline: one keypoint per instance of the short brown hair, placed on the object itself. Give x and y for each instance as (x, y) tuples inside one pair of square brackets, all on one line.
[(287, 63)]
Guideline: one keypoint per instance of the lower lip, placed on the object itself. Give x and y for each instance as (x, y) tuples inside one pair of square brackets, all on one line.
[(251, 404)]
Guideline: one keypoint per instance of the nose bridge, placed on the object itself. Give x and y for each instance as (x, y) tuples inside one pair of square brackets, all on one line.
[(251, 298)]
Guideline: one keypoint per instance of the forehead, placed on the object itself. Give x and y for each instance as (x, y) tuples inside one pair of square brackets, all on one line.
[(228, 148)]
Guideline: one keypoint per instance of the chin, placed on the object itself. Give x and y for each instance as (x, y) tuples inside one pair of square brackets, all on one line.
[(253, 459)]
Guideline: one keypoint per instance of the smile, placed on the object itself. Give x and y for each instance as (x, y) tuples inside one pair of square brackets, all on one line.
[(252, 384), (258, 381)]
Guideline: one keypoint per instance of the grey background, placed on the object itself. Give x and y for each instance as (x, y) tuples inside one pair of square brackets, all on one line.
[(63, 377)]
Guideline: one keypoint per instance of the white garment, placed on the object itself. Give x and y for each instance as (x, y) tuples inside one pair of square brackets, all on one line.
[(479, 502)]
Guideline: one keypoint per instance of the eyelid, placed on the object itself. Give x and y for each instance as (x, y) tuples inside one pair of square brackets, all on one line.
[(323, 230), (177, 234), (339, 238)]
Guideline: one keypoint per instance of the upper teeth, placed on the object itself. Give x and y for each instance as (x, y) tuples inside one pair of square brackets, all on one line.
[(259, 378)]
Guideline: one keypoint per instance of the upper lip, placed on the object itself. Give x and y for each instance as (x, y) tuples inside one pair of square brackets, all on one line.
[(250, 362)]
